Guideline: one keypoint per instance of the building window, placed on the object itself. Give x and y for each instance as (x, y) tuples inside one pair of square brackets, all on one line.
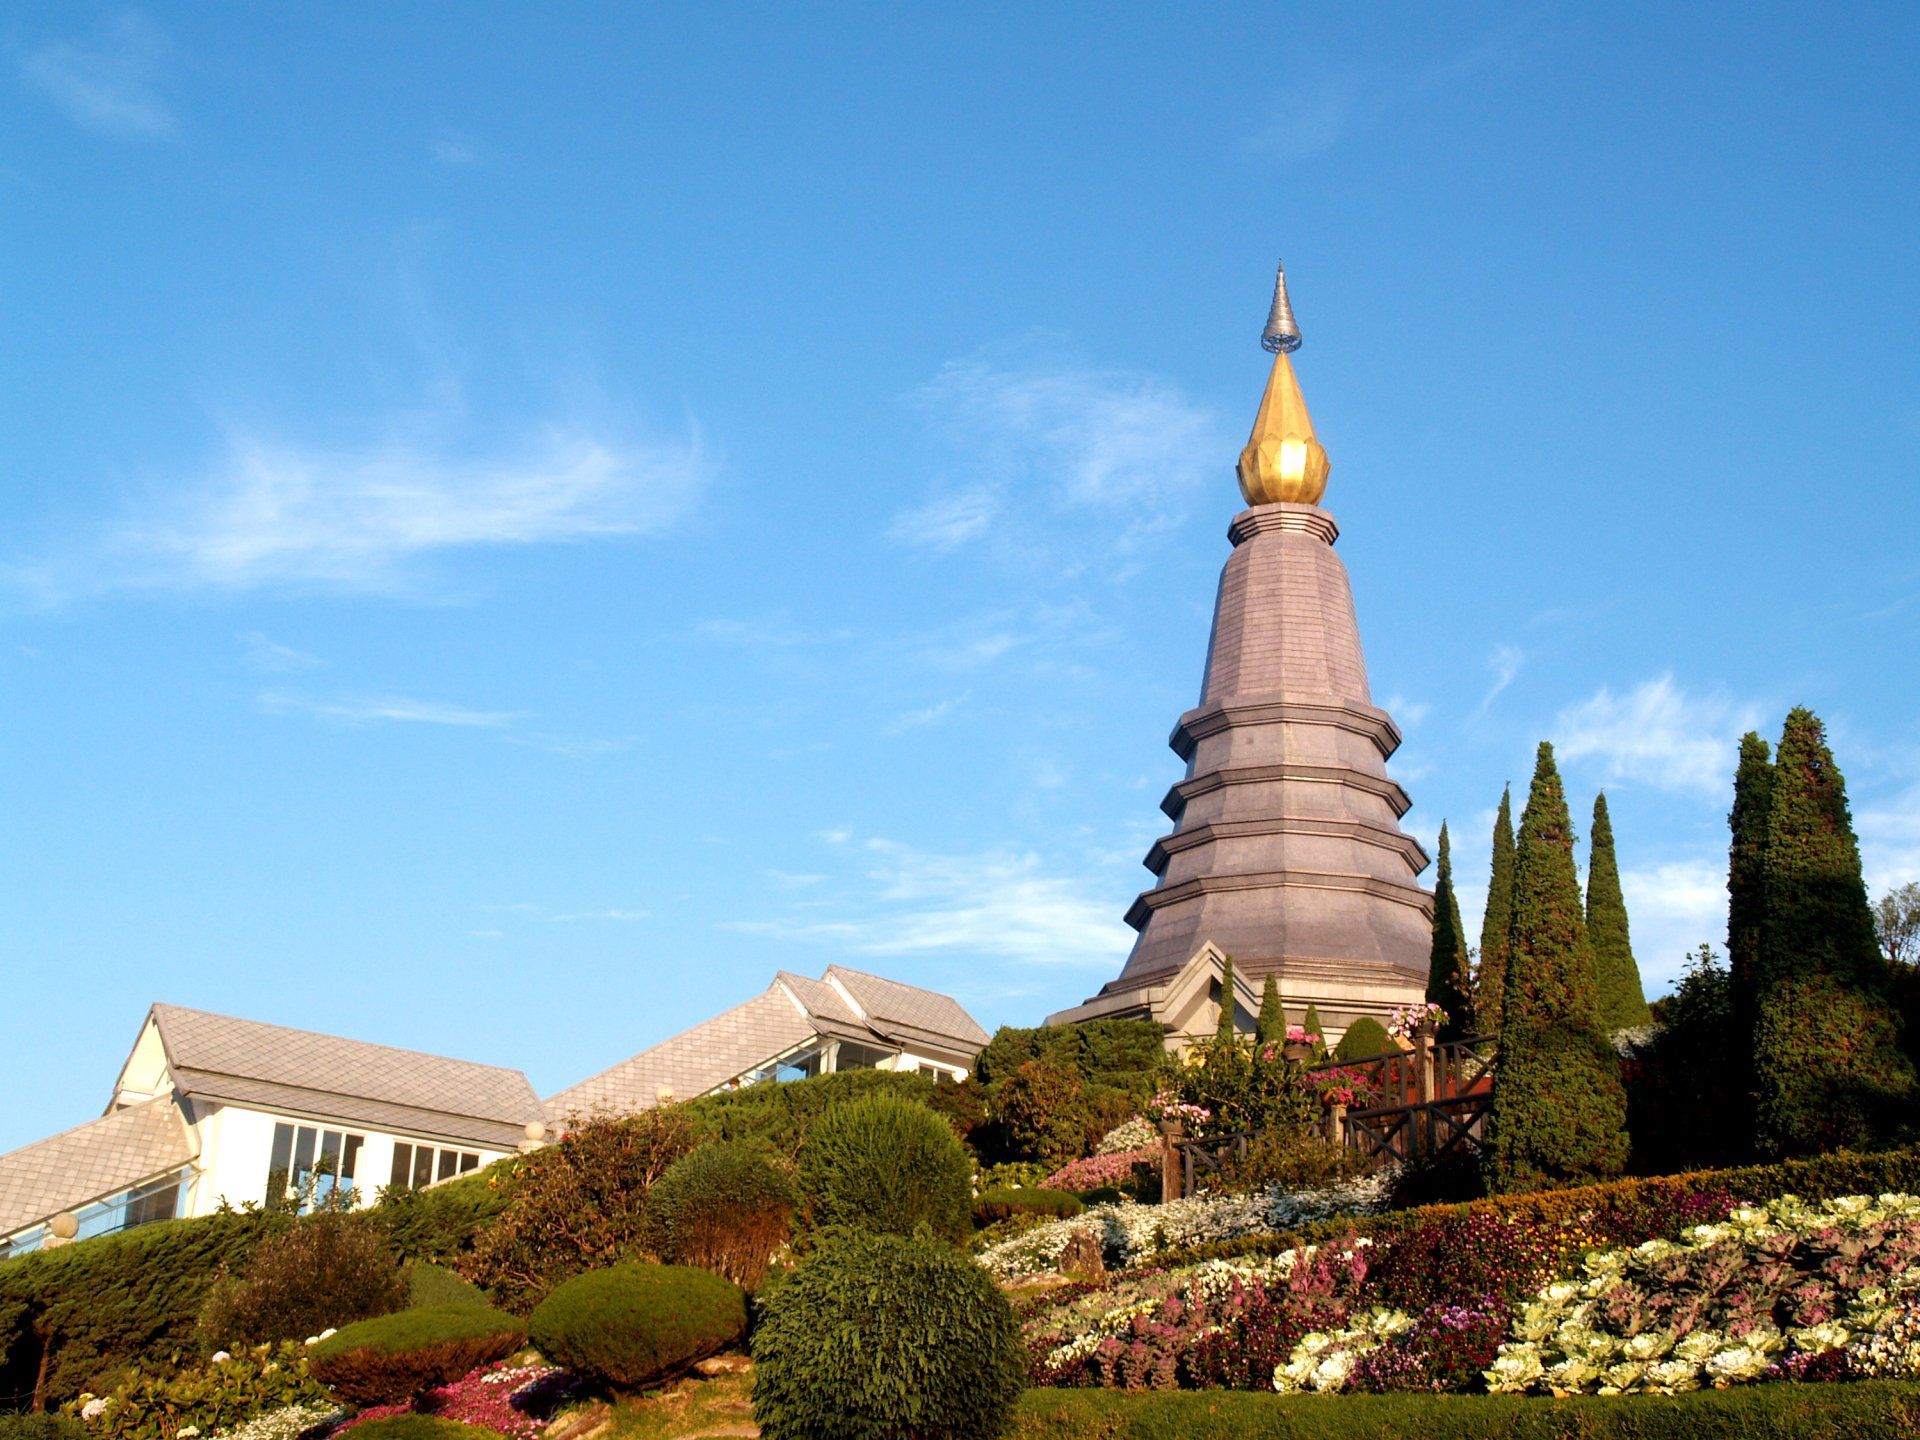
[(309, 1164), (417, 1166)]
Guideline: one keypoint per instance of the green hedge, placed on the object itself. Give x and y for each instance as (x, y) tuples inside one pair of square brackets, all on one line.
[(394, 1357), (1123, 1054), (1650, 1197), (1003, 1203), (118, 1301), (1862, 1411), (628, 1326), (780, 1117), (108, 1304)]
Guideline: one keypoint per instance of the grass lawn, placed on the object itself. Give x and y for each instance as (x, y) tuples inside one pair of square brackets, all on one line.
[(721, 1407)]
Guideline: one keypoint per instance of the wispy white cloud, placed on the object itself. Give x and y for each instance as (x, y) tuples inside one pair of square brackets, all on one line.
[(1504, 661), (926, 715), (621, 915), (110, 82), (1890, 841), (1658, 735), (1071, 437), (1672, 908), (397, 709), (453, 151), (1309, 119), (1005, 903), (271, 514), (269, 657)]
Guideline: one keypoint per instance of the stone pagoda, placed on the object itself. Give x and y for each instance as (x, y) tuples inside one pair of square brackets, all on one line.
[(1286, 851)]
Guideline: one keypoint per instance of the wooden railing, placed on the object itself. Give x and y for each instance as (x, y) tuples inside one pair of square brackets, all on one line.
[(1422, 1103)]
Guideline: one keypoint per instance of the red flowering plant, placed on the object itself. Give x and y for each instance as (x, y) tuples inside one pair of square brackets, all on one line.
[(516, 1401)]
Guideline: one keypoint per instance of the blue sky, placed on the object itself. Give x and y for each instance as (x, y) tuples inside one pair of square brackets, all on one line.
[(515, 524)]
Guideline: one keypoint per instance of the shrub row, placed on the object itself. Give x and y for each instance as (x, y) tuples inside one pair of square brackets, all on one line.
[(1619, 1209), (630, 1325), (1005, 1203), (779, 1118), (1772, 1411)]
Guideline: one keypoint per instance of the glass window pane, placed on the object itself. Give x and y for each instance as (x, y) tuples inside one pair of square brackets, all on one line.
[(350, 1156), (280, 1167), (402, 1165), (422, 1165), (469, 1161), (449, 1162), (303, 1139), (329, 1159)]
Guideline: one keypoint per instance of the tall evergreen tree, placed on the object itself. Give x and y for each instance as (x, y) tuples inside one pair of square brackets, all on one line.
[(1559, 1112), (1623, 1004), (1316, 1032), (1828, 1069), (1490, 985), (1226, 1029), (1447, 965), (1272, 1026), (1746, 904)]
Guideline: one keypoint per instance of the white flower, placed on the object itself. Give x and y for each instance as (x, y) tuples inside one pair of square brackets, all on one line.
[(220, 1357), (93, 1409), (187, 1432), (329, 1332)]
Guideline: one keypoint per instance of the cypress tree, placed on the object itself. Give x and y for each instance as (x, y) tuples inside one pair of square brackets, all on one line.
[(1490, 985), (1623, 1004), (1272, 1027), (1746, 887), (1447, 965), (1828, 1069), (1559, 1111), (1226, 1029), (1316, 1032)]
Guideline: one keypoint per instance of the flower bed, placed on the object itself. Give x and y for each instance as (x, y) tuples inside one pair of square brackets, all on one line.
[(516, 1401), (1784, 1291), (1132, 1234), (1109, 1168)]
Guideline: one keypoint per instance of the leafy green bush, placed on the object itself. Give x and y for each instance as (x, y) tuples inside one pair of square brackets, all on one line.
[(1286, 1158), (780, 1117), (395, 1357), (41, 1427), (430, 1284), (579, 1204), (1747, 1412), (877, 1337), (420, 1427), (630, 1325), (79, 1317), (995, 1205), (1122, 1054), (726, 1208), (1365, 1038), (209, 1396), (319, 1273), (443, 1222), (888, 1165)]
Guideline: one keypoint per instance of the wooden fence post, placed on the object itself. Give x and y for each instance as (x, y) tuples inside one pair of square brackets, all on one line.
[(1337, 1124), (1172, 1184)]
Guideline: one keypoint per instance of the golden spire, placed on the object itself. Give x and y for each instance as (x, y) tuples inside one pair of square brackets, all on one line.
[(1284, 460)]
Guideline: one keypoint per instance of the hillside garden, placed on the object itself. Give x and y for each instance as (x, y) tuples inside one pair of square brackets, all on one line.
[(1702, 1221)]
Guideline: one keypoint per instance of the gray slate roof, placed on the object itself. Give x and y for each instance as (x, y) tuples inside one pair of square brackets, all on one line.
[(794, 1010), (271, 1067), (91, 1161)]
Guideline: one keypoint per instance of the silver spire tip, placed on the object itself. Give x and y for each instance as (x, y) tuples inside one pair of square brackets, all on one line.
[(1283, 331)]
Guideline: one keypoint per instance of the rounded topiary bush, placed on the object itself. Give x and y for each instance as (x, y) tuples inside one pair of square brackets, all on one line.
[(726, 1208), (429, 1284), (393, 1358), (630, 1325), (1004, 1204), (1365, 1038), (878, 1337), (888, 1166)]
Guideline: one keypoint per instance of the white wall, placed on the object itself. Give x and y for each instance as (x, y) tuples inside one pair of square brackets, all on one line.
[(236, 1151)]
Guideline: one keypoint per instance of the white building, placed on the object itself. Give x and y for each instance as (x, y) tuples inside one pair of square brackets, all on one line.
[(209, 1109)]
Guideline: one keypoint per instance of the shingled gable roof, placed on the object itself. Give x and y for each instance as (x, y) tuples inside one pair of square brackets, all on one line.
[(299, 1072), (92, 1161), (794, 1010)]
